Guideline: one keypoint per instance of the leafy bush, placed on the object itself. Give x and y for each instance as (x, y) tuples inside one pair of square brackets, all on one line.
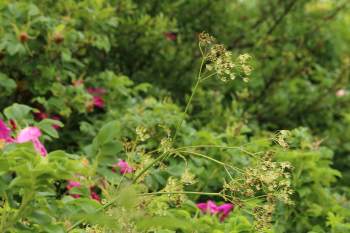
[(88, 73)]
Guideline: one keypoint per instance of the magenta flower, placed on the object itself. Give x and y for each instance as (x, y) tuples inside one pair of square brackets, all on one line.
[(340, 93), (42, 115), (94, 196), (72, 184), (98, 101), (56, 127), (32, 134), (5, 133), (224, 209), (98, 91), (124, 167), (170, 36)]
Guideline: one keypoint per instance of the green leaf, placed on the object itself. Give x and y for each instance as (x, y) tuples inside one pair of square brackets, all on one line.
[(14, 113), (49, 130), (40, 218), (12, 49), (55, 229), (33, 10), (7, 85), (108, 132), (50, 122), (12, 203), (59, 28), (66, 55), (17, 111), (3, 185), (111, 148), (76, 190), (59, 158), (4, 167)]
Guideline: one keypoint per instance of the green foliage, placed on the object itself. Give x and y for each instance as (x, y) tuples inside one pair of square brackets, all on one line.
[(107, 67)]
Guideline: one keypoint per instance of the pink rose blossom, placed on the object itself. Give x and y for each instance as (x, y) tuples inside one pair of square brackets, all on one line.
[(56, 127), (340, 93), (5, 133), (72, 184), (42, 115), (98, 101), (224, 209), (124, 167), (170, 36), (98, 91), (76, 83), (94, 196), (32, 134)]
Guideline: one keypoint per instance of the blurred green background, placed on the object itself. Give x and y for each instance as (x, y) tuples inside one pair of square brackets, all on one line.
[(145, 55)]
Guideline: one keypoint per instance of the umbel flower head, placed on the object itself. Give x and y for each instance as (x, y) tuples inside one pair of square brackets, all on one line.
[(221, 61)]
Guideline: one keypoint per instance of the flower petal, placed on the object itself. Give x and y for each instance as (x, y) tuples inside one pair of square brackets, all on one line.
[(4, 131)]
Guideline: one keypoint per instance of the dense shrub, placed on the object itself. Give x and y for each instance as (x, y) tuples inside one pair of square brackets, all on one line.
[(78, 69)]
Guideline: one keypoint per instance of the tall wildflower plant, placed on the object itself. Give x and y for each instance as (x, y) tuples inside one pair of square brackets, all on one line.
[(255, 189), (265, 177)]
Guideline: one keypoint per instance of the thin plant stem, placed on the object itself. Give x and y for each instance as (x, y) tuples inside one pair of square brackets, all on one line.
[(216, 161), (224, 147), (183, 117), (146, 168), (208, 76), (194, 90), (161, 193), (258, 141)]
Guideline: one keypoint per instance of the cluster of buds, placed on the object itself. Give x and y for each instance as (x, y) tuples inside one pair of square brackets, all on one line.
[(145, 161), (269, 155), (140, 131), (263, 217), (266, 176), (205, 38), (282, 139), (174, 185), (128, 146), (187, 178), (222, 63)]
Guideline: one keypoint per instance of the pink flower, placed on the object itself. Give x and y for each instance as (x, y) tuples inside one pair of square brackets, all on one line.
[(13, 123), (36, 72), (169, 35), (78, 83), (340, 93), (56, 127), (98, 91), (72, 184), (5, 133), (94, 196), (124, 167), (32, 134), (98, 101), (224, 209), (42, 115)]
